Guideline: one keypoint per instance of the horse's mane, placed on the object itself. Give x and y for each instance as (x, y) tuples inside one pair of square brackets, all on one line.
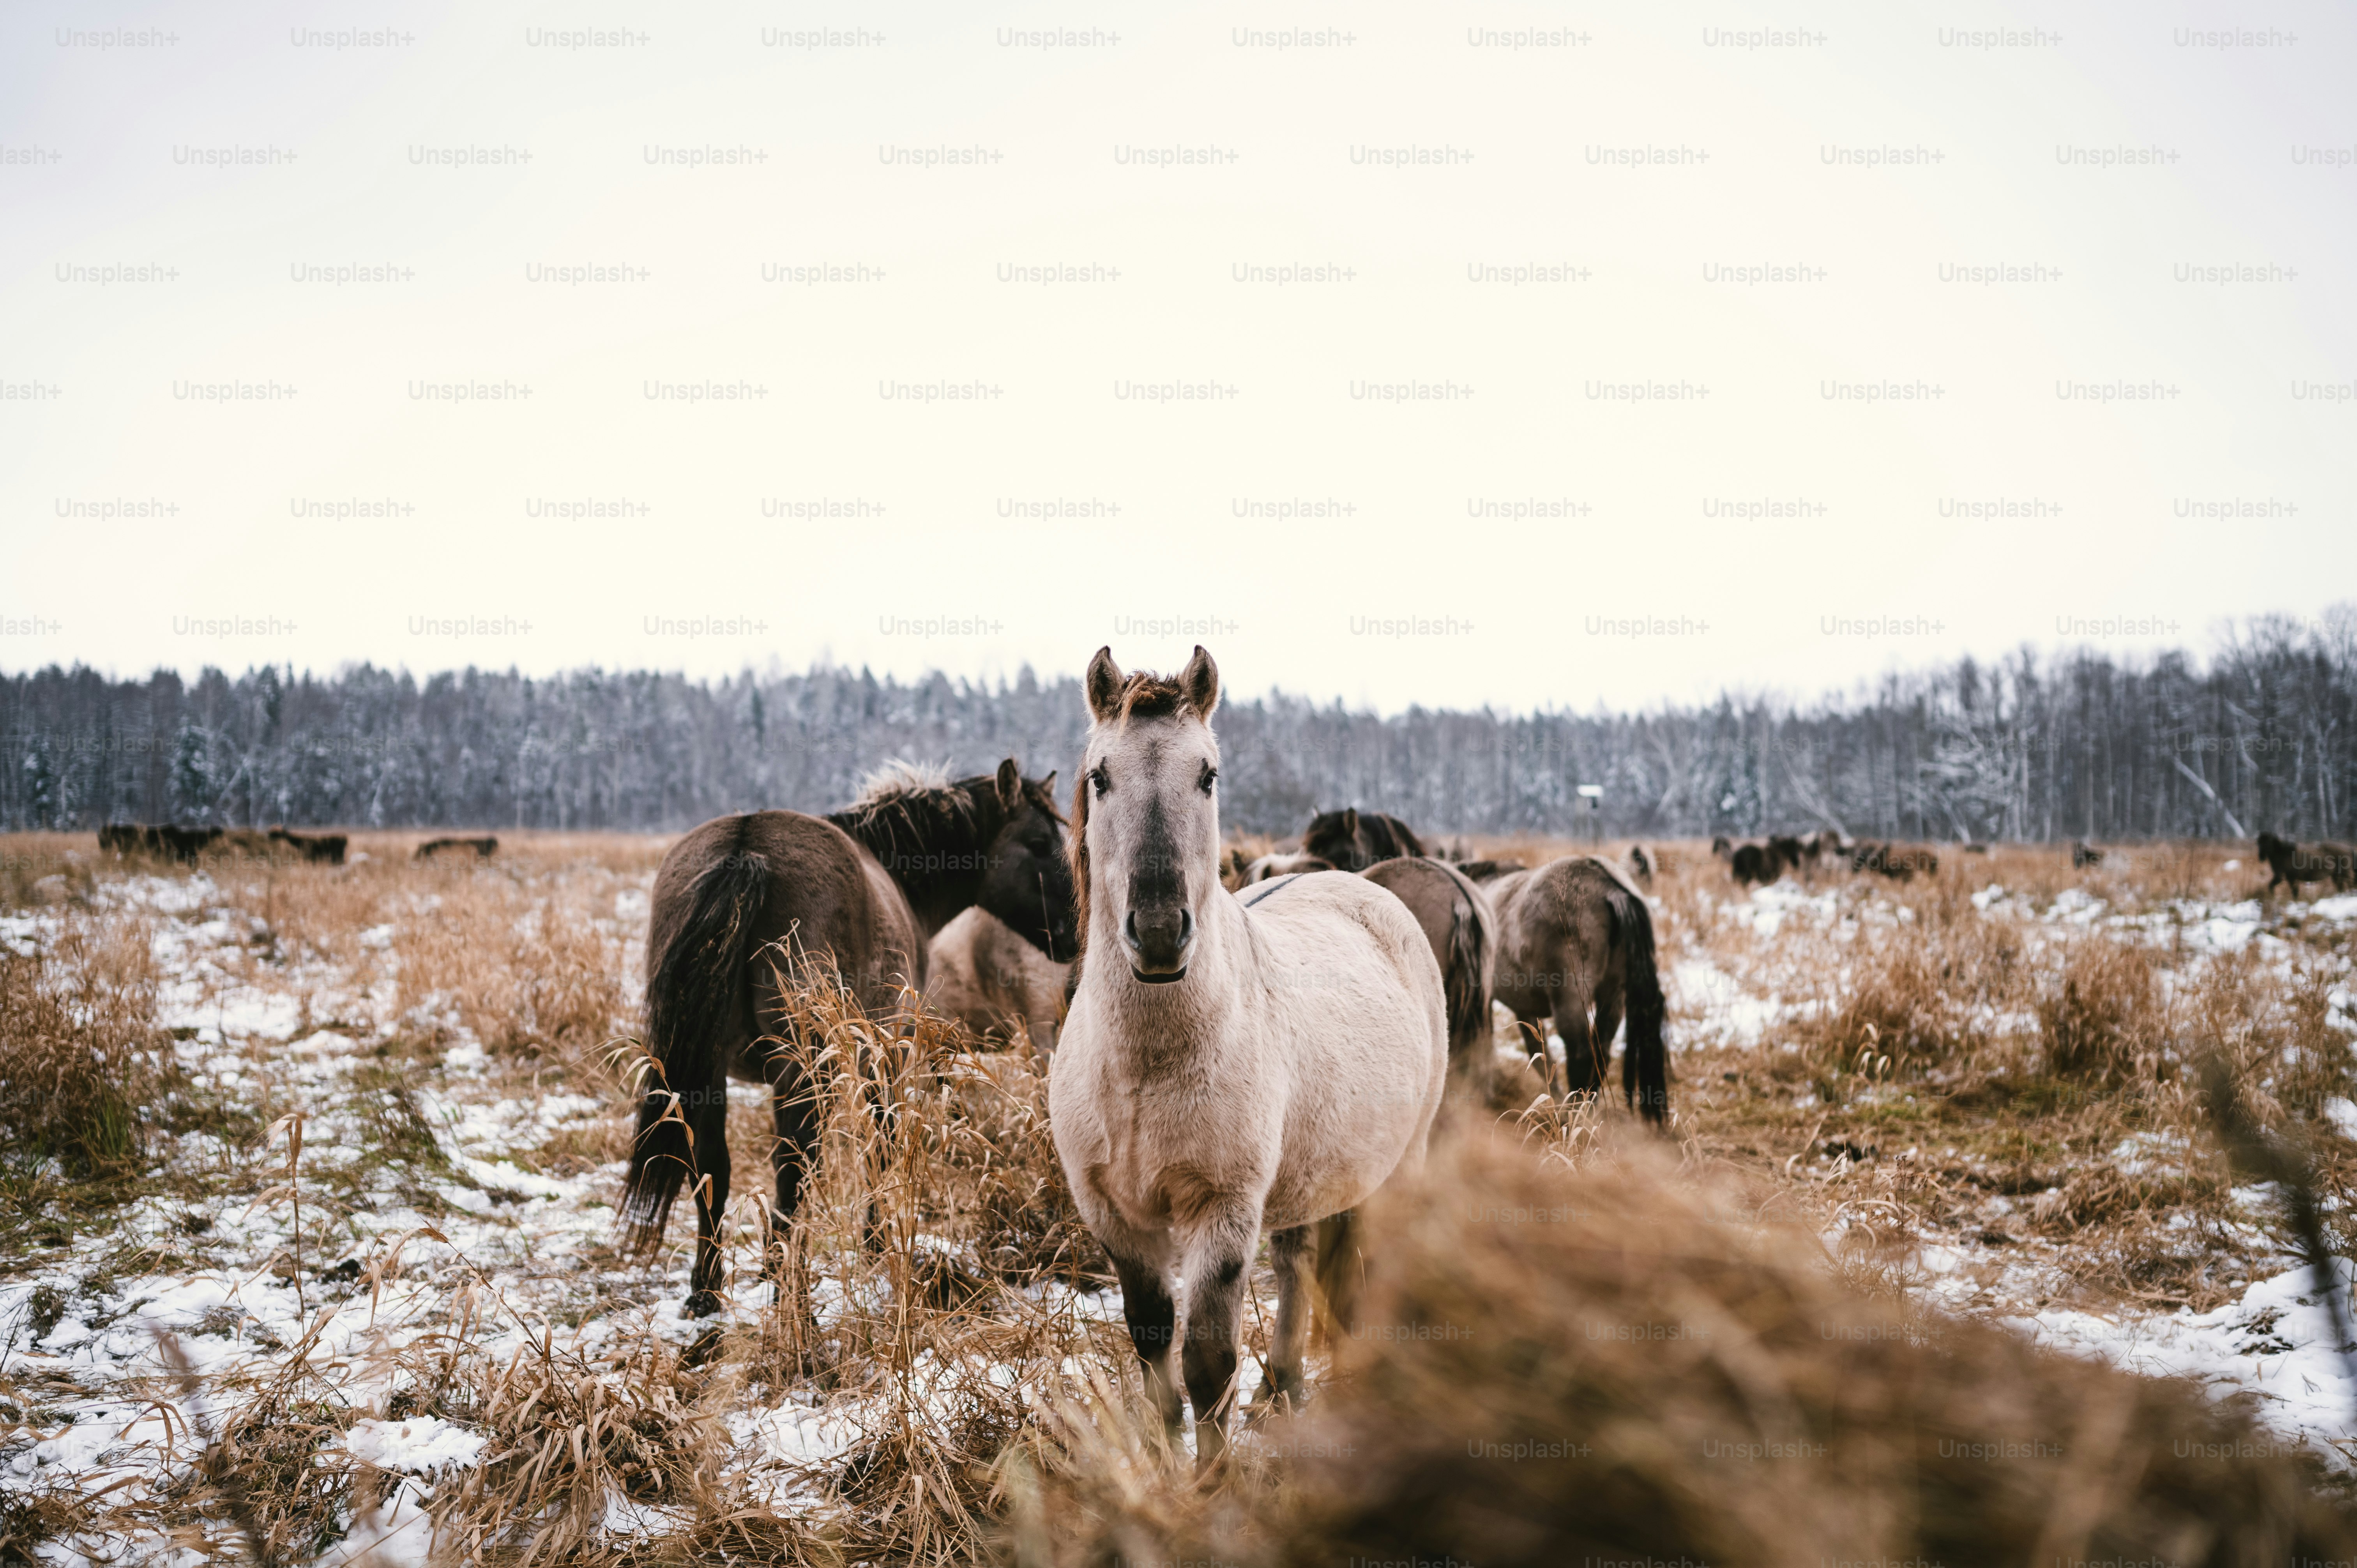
[(910, 814), (1144, 696)]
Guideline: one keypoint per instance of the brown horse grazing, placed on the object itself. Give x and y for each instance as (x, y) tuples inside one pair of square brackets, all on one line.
[(1753, 862), (164, 841), (1576, 934), (990, 979), (1458, 922), (2294, 864), (857, 894), (1898, 862), (484, 847), (1279, 865), (319, 849), (1641, 863), (2083, 854), (1354, 840)]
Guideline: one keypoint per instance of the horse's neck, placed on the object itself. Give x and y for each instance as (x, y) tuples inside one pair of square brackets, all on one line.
[(1185, 1026), (938, 900), (938, 878)]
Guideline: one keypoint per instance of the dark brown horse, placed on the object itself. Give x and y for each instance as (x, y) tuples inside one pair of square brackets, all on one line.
[(1354, 840), (319, 849), (1899, 862), (484, 847), (1752, 863), (1457, 921), (857, 894), (1575, 936), (165, 841), (2294, 864)]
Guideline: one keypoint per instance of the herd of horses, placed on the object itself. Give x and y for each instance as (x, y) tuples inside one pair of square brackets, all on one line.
[(1232, 1051), (186, 845), (168, 841), (1763, 863), (1236, 1048)]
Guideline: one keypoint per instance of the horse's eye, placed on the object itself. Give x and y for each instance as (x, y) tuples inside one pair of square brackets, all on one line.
[(1209, 773), (1097, 781)]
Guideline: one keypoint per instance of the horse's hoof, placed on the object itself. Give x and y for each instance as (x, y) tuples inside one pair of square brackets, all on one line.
[(701, 1303)]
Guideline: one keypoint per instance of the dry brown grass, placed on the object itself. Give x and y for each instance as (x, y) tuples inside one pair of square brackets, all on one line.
[(79, 1053), (1616, 1362)]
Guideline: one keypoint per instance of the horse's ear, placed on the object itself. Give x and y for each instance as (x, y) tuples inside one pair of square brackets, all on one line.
[(1105, 687), (1010, 784), (1201, 681), (1048, 784), (1351, 821)]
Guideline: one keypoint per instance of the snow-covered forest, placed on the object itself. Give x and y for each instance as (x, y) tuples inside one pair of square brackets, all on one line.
[(2263, 734)]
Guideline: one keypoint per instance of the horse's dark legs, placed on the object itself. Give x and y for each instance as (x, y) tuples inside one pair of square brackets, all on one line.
[(708, 1120), (1610, 1005), (793, 1112), (1153, 1320), (1583, 1063), (1291, 1251), (1215, 1290)]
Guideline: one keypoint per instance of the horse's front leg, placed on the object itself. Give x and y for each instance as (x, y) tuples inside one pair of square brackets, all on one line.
[(1217, 1266), (1153, 1319)]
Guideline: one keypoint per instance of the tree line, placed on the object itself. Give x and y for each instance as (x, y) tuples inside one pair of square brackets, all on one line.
[(2077, 744)]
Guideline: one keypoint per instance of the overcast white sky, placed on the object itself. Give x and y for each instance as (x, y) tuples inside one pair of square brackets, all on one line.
[(2197, 246)]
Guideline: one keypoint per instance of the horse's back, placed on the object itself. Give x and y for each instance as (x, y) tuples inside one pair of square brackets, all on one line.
[(1351, 995), (1555, 930), (1329, 923), (824, 890)]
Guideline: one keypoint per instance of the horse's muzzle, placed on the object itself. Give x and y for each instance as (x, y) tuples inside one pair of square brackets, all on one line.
[(1158, 944)]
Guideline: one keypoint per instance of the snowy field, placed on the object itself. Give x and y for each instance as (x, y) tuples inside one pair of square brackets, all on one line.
[(393, 1148)]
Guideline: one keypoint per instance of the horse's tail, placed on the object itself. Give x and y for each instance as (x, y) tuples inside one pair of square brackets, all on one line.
[(1645, 1060), (1465, 978), (692, 991), (1341, 1268)]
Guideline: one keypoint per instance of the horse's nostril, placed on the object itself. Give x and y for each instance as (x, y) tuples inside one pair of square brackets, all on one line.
[(1186, 926)]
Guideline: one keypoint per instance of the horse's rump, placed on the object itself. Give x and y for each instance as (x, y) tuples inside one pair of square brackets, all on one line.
[(1456, 920)]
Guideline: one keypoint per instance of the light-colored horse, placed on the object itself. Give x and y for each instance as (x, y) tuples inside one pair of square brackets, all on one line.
[(1231, 1063)]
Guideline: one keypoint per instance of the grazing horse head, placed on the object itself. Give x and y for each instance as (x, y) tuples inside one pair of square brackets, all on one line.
[(1145, 814), (1352, 840), (1026, 881)]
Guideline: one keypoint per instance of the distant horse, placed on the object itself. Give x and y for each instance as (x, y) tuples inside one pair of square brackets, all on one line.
[(165, 841), (319, 849), (2294, 864), (989, 979), (1457, 921), (1640, 865), (1575, 936), (1479, 871), (1233, 1062), (1898, 862), (1354, 840), (857, 894), (1279, 865), (2083, 854), (484, 847), (1750, 862)]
